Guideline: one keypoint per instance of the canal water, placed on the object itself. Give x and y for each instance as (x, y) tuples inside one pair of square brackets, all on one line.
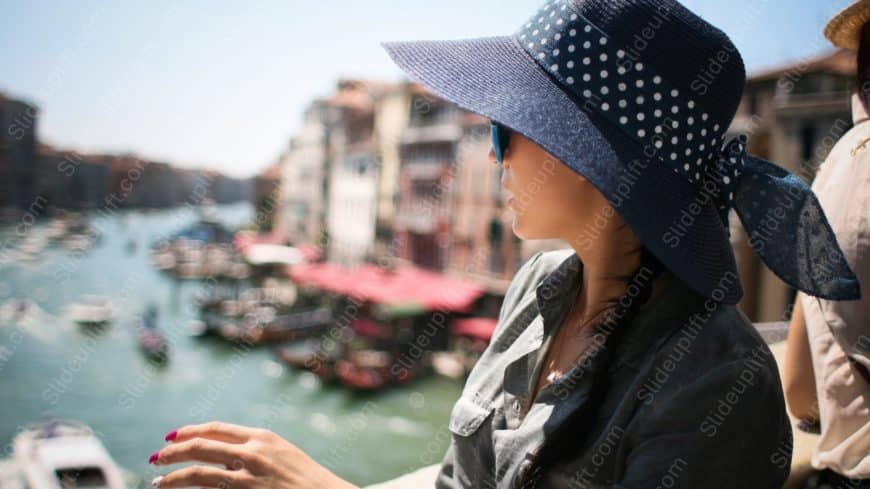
[(50, 365)]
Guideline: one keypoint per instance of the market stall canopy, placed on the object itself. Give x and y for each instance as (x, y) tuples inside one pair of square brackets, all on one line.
[(367, 327), (432, 290), (479, 328)]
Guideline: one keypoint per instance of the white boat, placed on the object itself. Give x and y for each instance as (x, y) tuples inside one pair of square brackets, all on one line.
[(31, 248), (77, 242), (15, 310), (92, 310), (64, 454)]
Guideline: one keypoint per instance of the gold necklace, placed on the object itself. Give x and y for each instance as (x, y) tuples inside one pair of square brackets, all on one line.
[(553, 375)]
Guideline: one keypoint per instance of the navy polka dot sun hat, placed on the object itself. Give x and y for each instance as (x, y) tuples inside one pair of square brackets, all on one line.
[(637, 96)]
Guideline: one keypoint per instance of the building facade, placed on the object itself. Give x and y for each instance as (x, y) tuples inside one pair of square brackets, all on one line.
[(18, 154)]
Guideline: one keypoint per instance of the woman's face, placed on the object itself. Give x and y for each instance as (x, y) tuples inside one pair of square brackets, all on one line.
[(548, 199)]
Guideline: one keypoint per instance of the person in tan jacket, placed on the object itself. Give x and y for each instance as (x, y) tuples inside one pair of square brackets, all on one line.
[(826, 374)]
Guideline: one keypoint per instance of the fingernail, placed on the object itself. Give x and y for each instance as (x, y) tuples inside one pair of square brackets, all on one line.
[(156, 481), (154, 456), (171, 435)]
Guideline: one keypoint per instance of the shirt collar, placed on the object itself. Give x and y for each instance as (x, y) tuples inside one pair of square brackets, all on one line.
[(653, 322)]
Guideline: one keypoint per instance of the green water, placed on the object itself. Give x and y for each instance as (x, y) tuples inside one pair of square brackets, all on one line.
[(48, 364)]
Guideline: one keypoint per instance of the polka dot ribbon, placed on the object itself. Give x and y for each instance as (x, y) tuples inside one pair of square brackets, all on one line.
[(669, 124), (785, 223), (727, 169)]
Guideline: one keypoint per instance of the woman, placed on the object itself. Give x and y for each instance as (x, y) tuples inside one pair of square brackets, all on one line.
[(622, 361), (827, 369)]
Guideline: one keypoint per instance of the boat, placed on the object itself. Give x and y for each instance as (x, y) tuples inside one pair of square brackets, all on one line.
[(197, 327), (370, 369), (151, 341), (77, 243), (263, 325), (365, 370), (312, 355), (203, 250), (64, 454), (74, 232), (15, 310), (393, 307), (92, 310), (209, 324), (31, 247)]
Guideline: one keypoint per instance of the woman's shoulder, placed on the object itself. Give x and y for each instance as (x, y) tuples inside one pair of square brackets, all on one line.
[(717, 338), (849, 154)]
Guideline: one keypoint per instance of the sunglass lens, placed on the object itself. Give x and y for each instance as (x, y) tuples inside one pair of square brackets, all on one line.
[(500, 139)]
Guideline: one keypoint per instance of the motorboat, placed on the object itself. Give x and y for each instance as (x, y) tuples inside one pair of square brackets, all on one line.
[(92, 310), (31, 247), (64, 454), (77, 243), (365, 370), (312, 355)]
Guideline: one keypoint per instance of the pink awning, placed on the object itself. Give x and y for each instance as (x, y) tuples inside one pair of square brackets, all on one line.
[(367, 327), (408, 284), (481, 328)]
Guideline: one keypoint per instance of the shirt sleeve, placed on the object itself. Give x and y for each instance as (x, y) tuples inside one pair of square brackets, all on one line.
[(726, 428)]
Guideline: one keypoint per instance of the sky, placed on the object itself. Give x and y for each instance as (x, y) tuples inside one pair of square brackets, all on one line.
[(223, 84)]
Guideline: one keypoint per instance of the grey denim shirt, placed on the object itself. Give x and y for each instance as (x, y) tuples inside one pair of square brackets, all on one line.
[(694, 396)]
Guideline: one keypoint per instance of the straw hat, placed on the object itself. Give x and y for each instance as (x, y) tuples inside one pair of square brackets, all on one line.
[(844, 29)]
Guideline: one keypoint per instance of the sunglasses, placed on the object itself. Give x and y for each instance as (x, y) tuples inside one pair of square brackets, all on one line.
[(501, 136)]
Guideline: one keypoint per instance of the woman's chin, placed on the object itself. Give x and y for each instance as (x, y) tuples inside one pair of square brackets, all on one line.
[(519, 230)]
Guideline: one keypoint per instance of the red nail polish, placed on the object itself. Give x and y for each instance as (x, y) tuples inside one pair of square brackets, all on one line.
[(154, 456), (171, 435)]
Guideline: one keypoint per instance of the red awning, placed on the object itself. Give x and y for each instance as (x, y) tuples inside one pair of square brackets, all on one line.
[(310, 252), (407, 284), (367, 327), (480, 328)]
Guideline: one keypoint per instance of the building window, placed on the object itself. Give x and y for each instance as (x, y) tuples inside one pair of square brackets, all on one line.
[(753, 104)]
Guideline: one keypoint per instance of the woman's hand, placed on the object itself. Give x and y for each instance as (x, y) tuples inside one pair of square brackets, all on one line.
[(252, 458)]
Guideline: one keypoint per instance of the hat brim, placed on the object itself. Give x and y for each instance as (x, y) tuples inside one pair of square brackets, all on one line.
[(495, 78), (844, 29)]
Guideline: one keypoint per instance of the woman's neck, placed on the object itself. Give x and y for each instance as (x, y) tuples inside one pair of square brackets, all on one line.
[(608, 265)]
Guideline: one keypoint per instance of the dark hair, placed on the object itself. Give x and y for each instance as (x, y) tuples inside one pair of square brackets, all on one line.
[(863, 72), (613, 326)]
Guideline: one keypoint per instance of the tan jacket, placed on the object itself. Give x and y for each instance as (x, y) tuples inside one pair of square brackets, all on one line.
[(838, 328)]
